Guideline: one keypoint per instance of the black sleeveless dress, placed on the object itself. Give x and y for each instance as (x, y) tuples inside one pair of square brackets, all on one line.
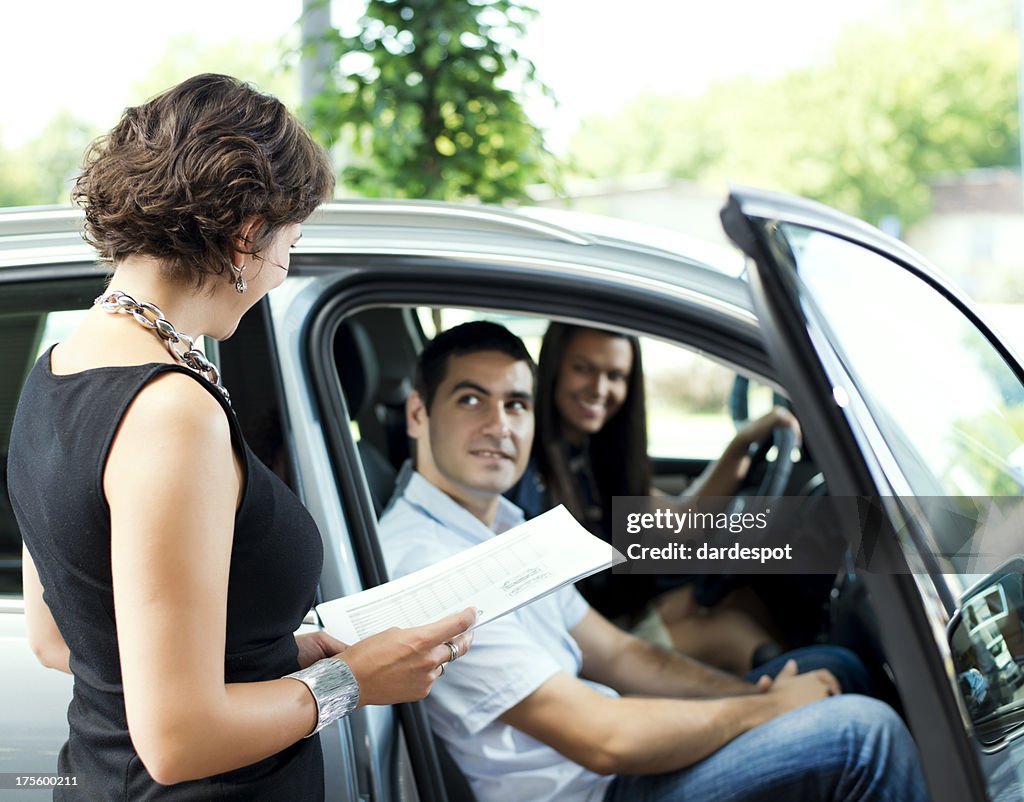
[(62, 433)]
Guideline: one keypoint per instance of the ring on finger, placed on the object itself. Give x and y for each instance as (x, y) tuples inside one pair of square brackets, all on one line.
[(442, 670), (454, 650)]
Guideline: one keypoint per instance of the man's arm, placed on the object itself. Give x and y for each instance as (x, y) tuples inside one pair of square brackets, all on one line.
[(610, 735), (631, 665)]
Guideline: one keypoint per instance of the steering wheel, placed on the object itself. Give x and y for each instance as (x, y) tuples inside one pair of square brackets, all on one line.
[(775, 474), (711, 588)]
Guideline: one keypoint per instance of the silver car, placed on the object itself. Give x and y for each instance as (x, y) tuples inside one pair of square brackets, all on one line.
[(905, 396)]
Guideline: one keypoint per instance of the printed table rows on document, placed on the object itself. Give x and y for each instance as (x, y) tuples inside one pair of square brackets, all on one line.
[(437, 597)]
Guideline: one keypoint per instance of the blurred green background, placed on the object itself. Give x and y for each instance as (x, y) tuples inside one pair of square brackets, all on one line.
[(902, 112)]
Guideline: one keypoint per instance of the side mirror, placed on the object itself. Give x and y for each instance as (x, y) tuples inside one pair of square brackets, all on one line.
[(986, 639)]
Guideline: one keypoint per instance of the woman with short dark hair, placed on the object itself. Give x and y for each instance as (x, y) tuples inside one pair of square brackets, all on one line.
[(165, 566)]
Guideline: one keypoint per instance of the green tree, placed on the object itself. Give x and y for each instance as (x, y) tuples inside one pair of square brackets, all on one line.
[(15, 180), (424, 101), (863, 132), (41, 170)]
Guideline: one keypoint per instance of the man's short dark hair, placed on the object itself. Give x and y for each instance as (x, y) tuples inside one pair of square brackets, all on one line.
[(468, 338)]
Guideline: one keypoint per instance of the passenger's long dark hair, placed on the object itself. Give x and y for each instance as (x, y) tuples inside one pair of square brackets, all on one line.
[(618, 453)]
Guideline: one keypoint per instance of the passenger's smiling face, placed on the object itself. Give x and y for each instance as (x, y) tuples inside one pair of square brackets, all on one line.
[(593, 381)]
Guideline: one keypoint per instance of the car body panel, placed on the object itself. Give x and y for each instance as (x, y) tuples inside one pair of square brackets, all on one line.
[(33, 701)]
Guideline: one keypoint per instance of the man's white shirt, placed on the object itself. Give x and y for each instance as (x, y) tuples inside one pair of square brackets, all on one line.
[(510, 658)]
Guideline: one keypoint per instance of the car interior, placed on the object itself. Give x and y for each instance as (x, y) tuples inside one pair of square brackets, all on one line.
[(28, 313), (374, 353)]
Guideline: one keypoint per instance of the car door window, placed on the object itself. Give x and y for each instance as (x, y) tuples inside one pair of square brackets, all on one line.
[(688, 414), (529, 328), (949, 405), (940, 388), (688, 402)]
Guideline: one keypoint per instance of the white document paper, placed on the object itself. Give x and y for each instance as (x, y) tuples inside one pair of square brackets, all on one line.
[(497, 576)]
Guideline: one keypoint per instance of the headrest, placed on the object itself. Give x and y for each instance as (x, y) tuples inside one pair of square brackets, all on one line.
[(356, 362)]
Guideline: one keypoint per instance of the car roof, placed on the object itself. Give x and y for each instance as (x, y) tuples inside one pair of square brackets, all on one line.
[(621, 251)]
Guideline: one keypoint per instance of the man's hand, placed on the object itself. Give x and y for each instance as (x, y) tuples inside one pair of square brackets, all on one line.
[(765, 683), (793, 690), (790, 672)]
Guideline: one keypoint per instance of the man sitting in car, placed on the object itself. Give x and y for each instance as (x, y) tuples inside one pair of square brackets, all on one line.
[(556, 703)]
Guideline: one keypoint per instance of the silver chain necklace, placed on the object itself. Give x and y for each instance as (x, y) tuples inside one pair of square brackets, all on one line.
[(150, 316)]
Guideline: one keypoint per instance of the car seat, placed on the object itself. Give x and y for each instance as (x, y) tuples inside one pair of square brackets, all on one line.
[(356, 362)]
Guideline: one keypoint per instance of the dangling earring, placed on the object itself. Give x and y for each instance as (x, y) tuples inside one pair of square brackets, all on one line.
[(241, 285)]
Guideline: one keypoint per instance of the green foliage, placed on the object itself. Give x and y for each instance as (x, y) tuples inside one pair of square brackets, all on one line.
[(41, 170), (423, 101), (862, 133)]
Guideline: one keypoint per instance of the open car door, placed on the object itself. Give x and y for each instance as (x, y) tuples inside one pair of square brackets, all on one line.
[(907, 397)]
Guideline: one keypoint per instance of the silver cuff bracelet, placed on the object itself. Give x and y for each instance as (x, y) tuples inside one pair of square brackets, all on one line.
[(333, 687)]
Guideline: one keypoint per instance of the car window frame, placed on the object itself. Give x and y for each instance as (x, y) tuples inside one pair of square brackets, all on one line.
[(348, 284), (65, 287)]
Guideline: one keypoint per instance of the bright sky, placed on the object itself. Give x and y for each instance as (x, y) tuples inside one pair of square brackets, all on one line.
[(86, 56)]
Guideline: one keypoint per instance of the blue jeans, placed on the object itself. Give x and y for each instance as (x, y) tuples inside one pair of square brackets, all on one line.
[(840, 749)]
